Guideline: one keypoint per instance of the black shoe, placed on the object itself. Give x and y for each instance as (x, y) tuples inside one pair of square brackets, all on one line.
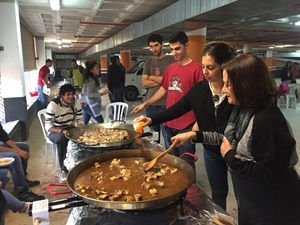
[(32, 183), (29, 196)]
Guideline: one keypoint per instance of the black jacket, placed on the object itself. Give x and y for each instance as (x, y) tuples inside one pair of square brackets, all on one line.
[(3, 135), (115, 77), (199, 99)]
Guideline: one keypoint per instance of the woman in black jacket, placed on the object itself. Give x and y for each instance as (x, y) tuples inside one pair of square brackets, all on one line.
[(258, 146), (212, 112)]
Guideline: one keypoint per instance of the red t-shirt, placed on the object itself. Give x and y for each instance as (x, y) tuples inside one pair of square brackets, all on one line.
[(178, 80), (43, 75)]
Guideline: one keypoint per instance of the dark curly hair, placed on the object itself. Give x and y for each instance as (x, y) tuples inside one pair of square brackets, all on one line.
[(66, 88)]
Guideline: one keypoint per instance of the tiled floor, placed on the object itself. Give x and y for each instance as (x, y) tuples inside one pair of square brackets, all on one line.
[(46, 173)]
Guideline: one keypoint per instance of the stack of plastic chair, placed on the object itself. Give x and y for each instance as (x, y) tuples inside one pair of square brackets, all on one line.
[(119, 112), (41, 116), (291, 99)]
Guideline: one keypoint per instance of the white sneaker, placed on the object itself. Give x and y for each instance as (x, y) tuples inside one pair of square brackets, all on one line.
[(63, 177)]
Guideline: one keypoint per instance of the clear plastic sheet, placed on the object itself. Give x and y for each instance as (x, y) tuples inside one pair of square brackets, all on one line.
[(197, 208), (77, 153)]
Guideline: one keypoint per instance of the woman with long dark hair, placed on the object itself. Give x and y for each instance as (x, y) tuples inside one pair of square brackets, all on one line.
[(212, 112), (258, 146), (286, 73), (90, 96)]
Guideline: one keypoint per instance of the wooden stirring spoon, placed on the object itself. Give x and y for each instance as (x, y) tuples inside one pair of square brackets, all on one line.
[(150, 164)]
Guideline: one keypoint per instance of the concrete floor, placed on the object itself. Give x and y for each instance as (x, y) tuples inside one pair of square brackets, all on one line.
[(47, 173)]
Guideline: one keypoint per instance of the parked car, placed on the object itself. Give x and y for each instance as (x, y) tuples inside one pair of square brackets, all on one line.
[(133, 82)]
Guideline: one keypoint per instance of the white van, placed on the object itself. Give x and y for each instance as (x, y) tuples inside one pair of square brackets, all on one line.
[(133, 82)]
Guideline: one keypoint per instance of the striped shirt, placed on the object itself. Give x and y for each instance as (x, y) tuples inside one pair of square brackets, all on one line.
[(62, 115)]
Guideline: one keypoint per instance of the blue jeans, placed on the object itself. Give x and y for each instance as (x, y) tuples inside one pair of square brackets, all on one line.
[(152, 110), (186, 148), (116, 95), (12, 203), (43, 98), (217, 173), (87, 114), (8, 202), (24, 146), (62, 143), (17, 172), (4, 178)]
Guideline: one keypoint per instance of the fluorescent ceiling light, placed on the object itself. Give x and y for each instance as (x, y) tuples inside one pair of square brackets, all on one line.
[(297, 23), (59, 46), (59, 41), (55, 4)]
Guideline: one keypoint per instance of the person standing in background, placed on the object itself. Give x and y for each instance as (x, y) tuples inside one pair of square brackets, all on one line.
[(77, 74), (90, 95), (120, 64), (286, 75), (295, 72), (178, 79), (43, 82), (153, 73), (115, 80)]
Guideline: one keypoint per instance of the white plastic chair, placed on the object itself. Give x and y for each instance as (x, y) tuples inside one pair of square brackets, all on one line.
[(42, 116), (291, 96), (288, 97), (119, 112)]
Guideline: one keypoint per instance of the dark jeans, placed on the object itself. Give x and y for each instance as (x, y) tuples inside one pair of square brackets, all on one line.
[(62, 143), (17, 171), (87, 114), (4, 176), (217, 173), (189, 147), (43, 98), (24, 146), (116, 95), (152, 110), (267, 203)]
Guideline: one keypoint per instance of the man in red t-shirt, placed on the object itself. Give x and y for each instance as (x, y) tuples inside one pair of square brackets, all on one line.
[(43, 81), (178, 79)]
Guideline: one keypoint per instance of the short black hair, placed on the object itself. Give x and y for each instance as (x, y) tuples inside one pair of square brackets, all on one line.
[(113, 59), (180, 37), (155, 38), (48, 61), (66, 88), (74, 60)]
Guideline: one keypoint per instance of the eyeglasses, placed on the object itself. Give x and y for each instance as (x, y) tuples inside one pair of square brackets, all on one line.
[(215, 98)]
